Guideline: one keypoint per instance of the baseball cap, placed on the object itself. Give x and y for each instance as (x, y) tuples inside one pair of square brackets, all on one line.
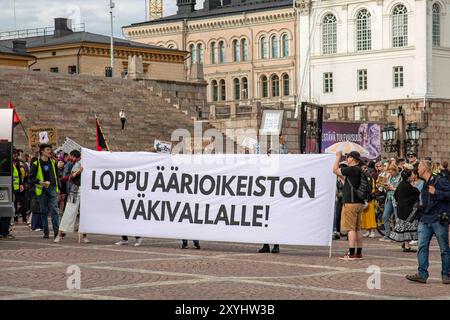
[(355, 155)]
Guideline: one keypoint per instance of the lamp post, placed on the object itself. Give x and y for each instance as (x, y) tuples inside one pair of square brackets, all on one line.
[(392, 143), (111, 7)]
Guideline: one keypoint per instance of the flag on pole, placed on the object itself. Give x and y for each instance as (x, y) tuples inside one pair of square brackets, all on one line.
[(101, 141), (16, 119)]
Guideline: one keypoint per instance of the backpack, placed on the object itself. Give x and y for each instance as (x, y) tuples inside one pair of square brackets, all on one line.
[(364, 191)]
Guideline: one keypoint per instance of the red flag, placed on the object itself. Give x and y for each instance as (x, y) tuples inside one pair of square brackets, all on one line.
[(101, 142), (16, 120)]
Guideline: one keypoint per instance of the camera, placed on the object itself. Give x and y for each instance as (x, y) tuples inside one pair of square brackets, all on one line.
[(444, 218)]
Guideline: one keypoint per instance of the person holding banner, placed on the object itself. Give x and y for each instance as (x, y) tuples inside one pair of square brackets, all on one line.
[(353, 207)]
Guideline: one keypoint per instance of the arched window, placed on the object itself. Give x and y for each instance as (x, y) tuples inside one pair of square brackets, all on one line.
[(201, 53), (236, 50), (436, 25), (286, 89), (237, 89), (363, 31), (223, 90), (244, 88), (264, 48), (275, 46), (244, 47), (399, 26), (275, 80), (264, 87), (171, 46), (222, 51), (285, 45), (329, 39), (214, 53), (193, 51), (215, 90)]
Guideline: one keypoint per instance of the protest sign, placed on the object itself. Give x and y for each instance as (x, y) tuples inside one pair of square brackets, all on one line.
[(284, 199)]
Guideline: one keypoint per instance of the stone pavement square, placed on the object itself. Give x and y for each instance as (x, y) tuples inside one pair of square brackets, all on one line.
[(36, 268)]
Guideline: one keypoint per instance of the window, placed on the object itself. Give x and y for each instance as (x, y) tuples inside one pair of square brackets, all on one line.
[(264, 48), (286, 85), (223, 90), (215, 90), (214, 53), (201, 53), (244, 88), (193, 51), (328, 82), (264, 87), (285, 45), (399, 26), (237, 89), (436, 25), (363, 31), (244, 46), (236, 50), (222, 51), (275, 80), (329, 45), (54, 70), (72, 69), (362, 79), (275, 46), (398, 77)]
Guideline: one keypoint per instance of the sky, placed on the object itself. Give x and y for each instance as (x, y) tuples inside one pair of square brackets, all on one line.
[(94, 13)]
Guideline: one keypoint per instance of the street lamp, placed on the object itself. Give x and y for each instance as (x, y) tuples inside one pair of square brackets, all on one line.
[(412, 138), (389, 134), (392, 143)]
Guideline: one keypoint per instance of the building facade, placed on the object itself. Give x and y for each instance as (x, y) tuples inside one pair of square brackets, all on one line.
[(246, 49), (16, 56)]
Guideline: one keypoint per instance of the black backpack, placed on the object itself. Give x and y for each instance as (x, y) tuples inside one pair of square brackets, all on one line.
[(364, 191)]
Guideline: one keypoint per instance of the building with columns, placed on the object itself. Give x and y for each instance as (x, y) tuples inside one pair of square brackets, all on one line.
[(245, 49), (368, 58)]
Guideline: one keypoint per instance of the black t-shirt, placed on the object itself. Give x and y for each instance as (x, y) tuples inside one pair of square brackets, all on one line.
[(46, 169), (354, 175)]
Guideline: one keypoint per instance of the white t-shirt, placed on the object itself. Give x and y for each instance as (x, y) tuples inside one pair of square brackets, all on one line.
[(122, 114)]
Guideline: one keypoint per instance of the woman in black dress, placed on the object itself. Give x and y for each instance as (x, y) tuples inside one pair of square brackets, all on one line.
[(406, 197)]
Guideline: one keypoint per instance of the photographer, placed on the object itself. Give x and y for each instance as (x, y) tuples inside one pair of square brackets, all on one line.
[(434, 221)]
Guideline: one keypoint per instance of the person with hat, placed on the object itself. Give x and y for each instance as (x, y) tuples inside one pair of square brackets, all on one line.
[(412, 160), (45, 179), (353, 206)]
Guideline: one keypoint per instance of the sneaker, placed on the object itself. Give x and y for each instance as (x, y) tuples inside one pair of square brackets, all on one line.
[(57, 239), (409, 250), (413, 243), (9, 237), (416, 278), (446, 280), (336, 236), (348, 257), (366, 234), (37, 230), (184, 246), (372, 234), (46, 236), (276, 249), (385, 239), (264, 249), (122, 242), (197, 247), (86, 240), (138, 242), (358, 256)]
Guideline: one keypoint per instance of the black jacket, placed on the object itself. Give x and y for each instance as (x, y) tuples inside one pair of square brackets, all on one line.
[(406, 196)]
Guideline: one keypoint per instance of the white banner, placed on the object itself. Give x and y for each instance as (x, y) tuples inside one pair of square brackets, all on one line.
[(284, 199)]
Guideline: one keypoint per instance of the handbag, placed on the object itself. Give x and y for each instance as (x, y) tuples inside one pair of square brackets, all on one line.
[(416, 212)]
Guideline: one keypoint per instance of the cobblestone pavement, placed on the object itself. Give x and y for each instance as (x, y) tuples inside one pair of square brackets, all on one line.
[(36, 268)]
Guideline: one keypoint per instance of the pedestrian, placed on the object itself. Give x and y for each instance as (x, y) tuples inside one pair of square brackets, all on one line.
[(45, 179), (353, 206), (368, 220), (123, 118), (389, 209), (407, 198), (184, 244), (18, 188), (73, 200), (339, 203), (412, 159), (434, 221)]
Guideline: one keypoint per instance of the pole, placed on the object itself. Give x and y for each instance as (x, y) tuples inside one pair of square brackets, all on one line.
[(146, 10), (111, 7), (15, 21)]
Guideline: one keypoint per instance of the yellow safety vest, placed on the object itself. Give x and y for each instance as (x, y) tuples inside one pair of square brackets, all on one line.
[(40, 177), (16, 182)]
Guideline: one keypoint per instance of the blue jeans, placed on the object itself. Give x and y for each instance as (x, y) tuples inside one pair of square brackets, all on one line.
[(48, 201), (426, 231), (387, 213)]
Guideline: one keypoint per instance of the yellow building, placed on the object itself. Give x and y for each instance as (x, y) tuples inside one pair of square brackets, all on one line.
[(15, 56), (69, 52)]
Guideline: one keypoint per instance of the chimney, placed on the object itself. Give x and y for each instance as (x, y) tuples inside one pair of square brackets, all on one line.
[(20, 46), (186, 6), (62, 27), (209, 5)]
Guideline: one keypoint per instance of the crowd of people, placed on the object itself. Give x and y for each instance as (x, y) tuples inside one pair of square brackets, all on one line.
[(407, 200)]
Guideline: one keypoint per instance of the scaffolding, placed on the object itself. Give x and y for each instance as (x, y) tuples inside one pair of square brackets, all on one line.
[(156, 9)]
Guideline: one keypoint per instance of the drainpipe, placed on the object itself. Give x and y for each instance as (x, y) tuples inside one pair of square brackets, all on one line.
[(78, 60)]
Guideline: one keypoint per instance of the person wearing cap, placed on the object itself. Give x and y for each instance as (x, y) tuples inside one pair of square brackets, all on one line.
[(353, 206), (45, 179), (412, 159)]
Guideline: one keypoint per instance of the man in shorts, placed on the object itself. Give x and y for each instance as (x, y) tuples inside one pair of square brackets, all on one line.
[(353, 206)]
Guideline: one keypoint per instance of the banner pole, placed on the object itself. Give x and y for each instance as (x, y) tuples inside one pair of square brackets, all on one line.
[(329, 254), (79, 237)]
